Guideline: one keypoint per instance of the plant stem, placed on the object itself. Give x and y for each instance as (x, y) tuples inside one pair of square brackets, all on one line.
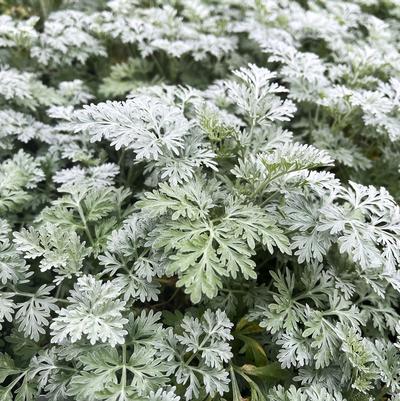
[(123, 375), (43, 8), (85, 226), (31, 295)]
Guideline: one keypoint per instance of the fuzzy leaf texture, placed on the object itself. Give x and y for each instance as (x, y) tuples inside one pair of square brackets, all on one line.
[(199, 200)]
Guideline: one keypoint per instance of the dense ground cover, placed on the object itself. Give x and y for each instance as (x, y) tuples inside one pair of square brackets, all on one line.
[(198, 200)]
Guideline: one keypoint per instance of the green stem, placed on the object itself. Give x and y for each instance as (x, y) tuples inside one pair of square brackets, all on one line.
[(123, 375), (85, 226), (200, 347), (30, 295), (268, 199), (252, 125), (226, 290), (45, 8), (159, 68)]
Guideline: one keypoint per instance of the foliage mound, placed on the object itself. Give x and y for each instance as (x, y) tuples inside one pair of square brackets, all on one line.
[(198, 200)]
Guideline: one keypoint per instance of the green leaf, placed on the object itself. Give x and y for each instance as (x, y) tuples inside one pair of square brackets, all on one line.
[(7, 367), (270, 371)]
